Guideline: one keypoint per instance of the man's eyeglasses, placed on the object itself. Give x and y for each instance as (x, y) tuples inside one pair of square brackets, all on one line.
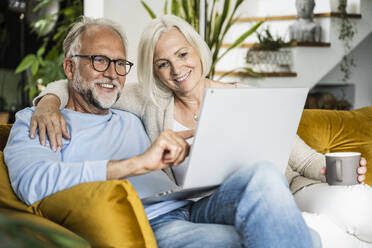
[(101, 63)]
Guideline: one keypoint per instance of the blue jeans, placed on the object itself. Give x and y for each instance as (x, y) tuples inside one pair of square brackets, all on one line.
[(252, 208)]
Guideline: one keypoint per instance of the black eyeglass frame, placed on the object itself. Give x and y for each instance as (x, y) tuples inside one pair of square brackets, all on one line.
[(92, 57)]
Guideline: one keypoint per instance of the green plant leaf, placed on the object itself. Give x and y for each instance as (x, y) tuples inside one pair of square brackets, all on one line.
[(42, 4), (195, 10), (41, 61), (226, 8), (185, 7), (165, 7), (175, 8), (251, 72), (214, 29), (52, 54), (213, 19), (239, 40), (26, 63), (231, 19), (61, 32), (69, 11), (244, 69), (149, 10), (40, 51), (35, 67)]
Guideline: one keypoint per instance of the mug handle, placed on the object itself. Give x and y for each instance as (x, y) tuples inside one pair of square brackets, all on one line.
[(339, 170)]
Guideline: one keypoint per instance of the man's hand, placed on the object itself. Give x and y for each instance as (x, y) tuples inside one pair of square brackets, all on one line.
[(169, 149), (362, 170), (49, 119)]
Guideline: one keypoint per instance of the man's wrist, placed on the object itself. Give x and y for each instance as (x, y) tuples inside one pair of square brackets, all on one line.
[(124, 168)]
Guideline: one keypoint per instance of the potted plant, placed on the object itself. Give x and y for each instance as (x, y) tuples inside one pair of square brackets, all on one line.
[(269, 54), (347, 32), (45, 65)]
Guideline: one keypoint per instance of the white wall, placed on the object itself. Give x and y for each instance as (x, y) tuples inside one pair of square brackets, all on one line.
[(131, 15), (262, 8), (94, 8), (361, 74), (319, 65)]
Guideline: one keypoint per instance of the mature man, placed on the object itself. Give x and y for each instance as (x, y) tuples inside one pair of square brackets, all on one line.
[(111, 144)]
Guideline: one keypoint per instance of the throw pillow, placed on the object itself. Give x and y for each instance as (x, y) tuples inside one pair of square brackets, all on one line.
[(339, 131), (107, 214)]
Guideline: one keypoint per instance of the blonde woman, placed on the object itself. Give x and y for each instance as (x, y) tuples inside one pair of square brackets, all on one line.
[(173, 61)]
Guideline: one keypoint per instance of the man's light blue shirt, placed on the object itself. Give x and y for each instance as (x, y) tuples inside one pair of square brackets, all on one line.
[(36, 171)]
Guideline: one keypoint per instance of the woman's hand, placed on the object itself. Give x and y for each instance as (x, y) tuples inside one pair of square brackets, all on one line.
[(49, 120), (362, 170)]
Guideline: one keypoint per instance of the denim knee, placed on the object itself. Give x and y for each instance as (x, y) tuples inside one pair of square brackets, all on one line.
[(262, 173)]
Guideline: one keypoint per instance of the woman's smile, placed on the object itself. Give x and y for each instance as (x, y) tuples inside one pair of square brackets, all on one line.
[(182, 78)]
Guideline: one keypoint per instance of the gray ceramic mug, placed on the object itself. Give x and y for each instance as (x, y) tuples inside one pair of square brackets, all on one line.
[(341, 168)]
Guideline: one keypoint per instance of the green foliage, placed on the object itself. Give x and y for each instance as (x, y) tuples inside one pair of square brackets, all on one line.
[(246, 70), (346, 35), (268, 42), (220, 16), (46, 63), (17, 233)]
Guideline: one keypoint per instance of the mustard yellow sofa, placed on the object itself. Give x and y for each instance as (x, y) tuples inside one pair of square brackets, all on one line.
[(110, 214)]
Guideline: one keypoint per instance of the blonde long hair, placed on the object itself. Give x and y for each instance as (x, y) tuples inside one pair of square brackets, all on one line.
[(151, 85)]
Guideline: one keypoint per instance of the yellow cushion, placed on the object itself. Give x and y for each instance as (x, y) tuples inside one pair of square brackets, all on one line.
[(107, 214), (339, 131), (22, 214)]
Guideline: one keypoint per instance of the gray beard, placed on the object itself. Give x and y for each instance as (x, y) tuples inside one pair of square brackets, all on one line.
[(85, 91)]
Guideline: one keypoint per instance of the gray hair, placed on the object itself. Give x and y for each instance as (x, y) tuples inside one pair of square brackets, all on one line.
[(72, 44), (151, 85)]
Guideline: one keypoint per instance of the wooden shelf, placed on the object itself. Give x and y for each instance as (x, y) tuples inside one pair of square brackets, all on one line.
[(293, 44), (293, 17), (310, 44), (263, 74)]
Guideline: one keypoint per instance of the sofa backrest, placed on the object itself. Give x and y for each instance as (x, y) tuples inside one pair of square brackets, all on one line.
[(4, 133), (339, 131)]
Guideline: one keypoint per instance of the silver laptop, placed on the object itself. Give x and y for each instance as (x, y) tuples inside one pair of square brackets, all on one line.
[(237, 127)]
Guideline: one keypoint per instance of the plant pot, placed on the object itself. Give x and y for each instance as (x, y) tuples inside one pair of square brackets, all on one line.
[(4, 117), (270, 61)]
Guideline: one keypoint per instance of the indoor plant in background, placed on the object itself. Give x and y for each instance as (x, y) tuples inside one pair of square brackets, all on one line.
[(270, 54), (219, 17), (347, 32), (45, 65)]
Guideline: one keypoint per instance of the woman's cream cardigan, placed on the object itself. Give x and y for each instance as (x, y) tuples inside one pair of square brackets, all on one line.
[(304, 163)]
